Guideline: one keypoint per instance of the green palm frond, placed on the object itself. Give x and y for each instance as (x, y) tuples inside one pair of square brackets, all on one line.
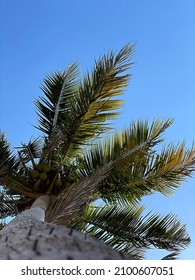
[(6, 208), (81, 109), (18, 184), (172, 256), (125, 228), (14, 171), (11, 170), (59, 90), (2, 224), (95, 103), (7, 159), (11, 203), (30, 152)]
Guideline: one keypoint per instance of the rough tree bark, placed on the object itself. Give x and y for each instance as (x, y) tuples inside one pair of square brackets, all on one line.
[(28, 236)]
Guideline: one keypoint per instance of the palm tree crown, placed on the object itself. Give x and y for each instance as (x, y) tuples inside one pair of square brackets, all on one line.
[(79, 159)]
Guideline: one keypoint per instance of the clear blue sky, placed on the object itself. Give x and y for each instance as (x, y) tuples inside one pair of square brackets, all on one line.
[(41, 36)]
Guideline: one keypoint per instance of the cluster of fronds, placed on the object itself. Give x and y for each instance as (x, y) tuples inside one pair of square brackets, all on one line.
[(73, 164)]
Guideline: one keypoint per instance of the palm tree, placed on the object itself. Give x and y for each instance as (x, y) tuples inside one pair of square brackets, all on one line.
[(81, 178)]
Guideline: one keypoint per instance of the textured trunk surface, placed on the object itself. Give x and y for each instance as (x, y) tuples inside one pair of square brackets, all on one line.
[(29, 237)]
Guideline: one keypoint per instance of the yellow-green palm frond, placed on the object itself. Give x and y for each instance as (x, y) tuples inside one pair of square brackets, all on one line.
[(162, 172), (95, 103), (126, 145), (138, 169)]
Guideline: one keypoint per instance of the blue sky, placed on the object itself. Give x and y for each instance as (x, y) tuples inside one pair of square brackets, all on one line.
[(41, 36)]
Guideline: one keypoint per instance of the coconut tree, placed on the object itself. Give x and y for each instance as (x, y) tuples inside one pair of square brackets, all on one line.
[(76, 190)]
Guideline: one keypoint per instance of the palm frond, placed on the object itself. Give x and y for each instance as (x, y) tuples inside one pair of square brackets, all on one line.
[(18, 184), (124, 147), (172, 256), (125, 228), (12, 203), (53, 108), (137, 168), (162, 172), (7, 159), (94, 103), (2, 225), (70, 202), (52, 144), (7, 208), (81, 110), (30, 152)]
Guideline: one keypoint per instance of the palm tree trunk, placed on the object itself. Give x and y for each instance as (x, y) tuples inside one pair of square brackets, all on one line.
[(28, 236)]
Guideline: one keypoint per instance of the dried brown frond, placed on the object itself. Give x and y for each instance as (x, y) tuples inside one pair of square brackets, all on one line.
[(69, 203)]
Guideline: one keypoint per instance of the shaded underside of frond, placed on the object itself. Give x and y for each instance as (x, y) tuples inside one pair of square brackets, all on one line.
[(125, 228), (11, 203), (172, 256), (29, 153), (7, 209), (7, 159), (59, 90), (2, 224)]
